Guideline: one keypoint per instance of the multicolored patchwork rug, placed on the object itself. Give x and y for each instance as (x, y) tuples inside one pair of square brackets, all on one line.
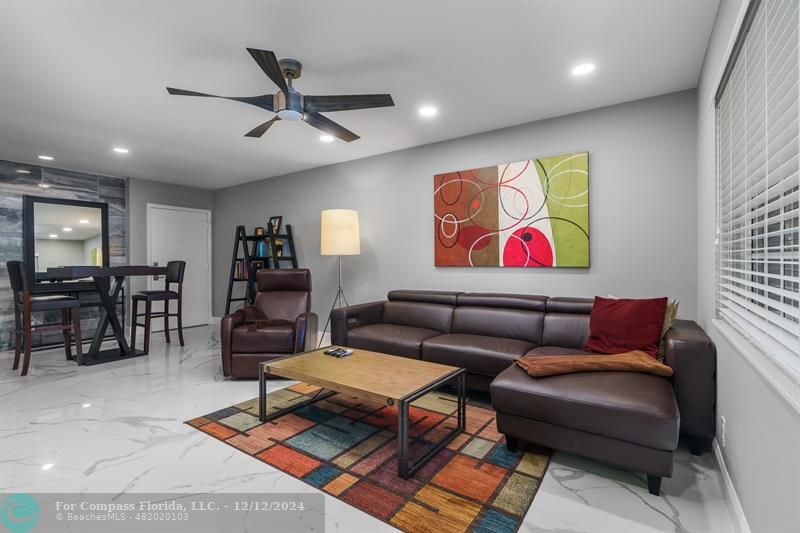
[(346, 447)]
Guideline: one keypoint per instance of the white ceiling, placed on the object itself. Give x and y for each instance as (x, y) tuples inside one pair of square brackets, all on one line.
[(77, 78)]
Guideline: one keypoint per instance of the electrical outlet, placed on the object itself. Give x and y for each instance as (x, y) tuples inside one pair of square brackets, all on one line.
[(722, 431)]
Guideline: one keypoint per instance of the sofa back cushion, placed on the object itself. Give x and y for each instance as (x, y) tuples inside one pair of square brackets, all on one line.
[(430, 297), (499, 322), (567, 322), (511, 316), (524, 302), (421, 315)]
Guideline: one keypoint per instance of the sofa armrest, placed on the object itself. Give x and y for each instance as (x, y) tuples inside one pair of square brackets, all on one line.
[(305, 332), (693, 358), (346, 318), (227, 325)]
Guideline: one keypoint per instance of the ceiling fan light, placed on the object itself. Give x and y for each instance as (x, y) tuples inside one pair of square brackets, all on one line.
[(290, 115)]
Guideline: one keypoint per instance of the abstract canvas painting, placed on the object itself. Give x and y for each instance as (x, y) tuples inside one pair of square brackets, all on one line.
[(532, 213)]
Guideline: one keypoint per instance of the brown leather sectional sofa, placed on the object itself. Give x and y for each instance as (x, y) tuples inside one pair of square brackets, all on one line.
[(625, 419)]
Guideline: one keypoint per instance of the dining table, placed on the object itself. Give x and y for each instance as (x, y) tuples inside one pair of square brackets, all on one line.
[(109, 293)]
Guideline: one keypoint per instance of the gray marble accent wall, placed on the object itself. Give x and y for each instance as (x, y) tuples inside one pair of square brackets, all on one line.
[(63, 184)]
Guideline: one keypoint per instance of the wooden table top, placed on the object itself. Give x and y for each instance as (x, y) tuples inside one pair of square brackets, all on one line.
[(371, 375), (86, 271)]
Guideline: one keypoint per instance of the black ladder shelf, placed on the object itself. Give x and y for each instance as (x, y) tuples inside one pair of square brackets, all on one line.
[(246, 256)]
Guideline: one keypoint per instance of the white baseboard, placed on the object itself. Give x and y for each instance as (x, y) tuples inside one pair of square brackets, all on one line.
[(729, 492)]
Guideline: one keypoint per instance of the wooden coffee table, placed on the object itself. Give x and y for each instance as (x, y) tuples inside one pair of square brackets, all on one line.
[(372, 376)]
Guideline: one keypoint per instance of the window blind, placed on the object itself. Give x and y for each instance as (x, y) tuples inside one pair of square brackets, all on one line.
[(758, 185)]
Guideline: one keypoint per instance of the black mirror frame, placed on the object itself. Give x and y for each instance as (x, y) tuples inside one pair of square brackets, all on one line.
[(28, 230)]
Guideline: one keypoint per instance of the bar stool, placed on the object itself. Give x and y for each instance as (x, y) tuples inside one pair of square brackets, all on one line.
[(175, 271), (25, 304)]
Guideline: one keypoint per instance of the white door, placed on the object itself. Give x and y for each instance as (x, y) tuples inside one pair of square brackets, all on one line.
[(178, 233)]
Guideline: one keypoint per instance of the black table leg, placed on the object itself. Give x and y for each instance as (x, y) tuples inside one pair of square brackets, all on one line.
[(108, 297)]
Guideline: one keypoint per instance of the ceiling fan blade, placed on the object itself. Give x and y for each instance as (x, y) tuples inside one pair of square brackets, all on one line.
[(269, 64), (346, 102), (183, 92), (259, 130), (264, 101), (328, 126)]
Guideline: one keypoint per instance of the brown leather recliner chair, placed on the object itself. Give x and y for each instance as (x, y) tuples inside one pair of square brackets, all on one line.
[(284, 295)]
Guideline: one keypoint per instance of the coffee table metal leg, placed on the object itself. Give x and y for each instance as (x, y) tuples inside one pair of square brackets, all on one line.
[(402, 439), (462, 401), (262, 393), (405, 468)]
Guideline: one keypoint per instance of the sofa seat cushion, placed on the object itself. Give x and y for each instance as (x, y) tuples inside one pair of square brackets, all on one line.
[(393, 339), (274, 339), (478, 354), (630, 406)]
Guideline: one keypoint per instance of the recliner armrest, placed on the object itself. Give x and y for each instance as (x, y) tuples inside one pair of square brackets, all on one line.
[(305, 332), (693, 358), (346, 318), (227, 325)]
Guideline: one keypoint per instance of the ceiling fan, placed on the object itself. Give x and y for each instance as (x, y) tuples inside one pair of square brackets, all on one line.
[(290, 104)]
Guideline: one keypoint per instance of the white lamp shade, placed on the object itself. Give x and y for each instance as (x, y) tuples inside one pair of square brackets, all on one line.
[(339, 233)]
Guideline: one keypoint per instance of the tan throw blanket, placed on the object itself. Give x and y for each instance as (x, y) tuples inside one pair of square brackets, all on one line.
[(254, 318), (539, 366)]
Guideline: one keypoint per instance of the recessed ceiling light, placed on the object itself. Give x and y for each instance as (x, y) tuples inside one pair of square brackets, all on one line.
[(47, 466), (43, 185), (54, 236), (67, 229), (23, 171), (326, 138), (428, 111), (583, 69), (86, 405), (121, 150), (45, 157), (83, 221)]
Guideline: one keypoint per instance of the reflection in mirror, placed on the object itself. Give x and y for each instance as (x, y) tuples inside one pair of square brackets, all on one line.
[(67, 235)]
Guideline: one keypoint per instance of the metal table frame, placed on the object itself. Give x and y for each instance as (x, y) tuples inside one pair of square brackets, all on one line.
[(109, 295), (405, 468)]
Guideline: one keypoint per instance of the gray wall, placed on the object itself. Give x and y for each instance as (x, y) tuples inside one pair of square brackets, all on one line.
[(140, 193), (643, 212), (762, 441), (54, 252)]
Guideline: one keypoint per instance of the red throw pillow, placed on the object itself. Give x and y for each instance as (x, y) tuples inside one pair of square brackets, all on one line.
[(622, 325)]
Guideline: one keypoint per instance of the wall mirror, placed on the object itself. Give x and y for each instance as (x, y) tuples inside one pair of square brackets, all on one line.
[(61, 232)]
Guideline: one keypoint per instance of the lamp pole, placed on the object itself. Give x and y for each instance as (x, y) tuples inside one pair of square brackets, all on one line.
[(337, 302)]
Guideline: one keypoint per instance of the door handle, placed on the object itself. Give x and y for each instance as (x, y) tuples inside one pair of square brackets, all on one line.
[(156, 277)]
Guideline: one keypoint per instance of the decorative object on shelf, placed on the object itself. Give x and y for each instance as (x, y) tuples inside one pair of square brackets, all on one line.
[(531, 213), (339, 235), (274, 225), (259, 231)]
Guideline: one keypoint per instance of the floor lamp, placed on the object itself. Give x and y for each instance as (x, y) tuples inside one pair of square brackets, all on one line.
[(339, 236)]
